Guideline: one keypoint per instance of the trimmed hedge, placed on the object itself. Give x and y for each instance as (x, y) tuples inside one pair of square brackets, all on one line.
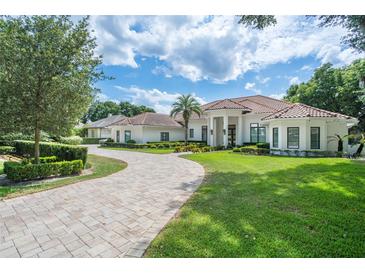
[(61, 151), (91, 141), (255, 150), (6, 150), (263, 145), (20, 172)]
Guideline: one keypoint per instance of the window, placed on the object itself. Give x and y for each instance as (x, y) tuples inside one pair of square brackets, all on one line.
[(257, 133), (127, 136), (191, 133), (293, 137), (315, 138), (204, 133), (164, 137), (275, 137), (118, 136)]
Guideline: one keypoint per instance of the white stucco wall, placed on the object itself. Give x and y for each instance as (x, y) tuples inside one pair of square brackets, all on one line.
[(153, 134), (144, 134), (93, 132), (197, 126), (328, 128)]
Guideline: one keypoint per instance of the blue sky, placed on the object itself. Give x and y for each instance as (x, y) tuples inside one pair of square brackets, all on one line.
[(154, 59)]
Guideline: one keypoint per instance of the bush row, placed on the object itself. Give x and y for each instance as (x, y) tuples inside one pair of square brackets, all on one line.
[(6, 150), (26, 171), (61, 151), (252, 150), (150, 144), (91, 141), (197, 148)]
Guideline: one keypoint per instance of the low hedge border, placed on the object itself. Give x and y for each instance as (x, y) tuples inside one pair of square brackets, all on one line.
[(6, 150), (91, 141), (252, 150), (24, 171), (61, 151), (151, 144)]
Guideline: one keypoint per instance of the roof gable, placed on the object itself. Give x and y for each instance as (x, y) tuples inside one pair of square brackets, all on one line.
[(150, 119), (105, 122), (299, 110)]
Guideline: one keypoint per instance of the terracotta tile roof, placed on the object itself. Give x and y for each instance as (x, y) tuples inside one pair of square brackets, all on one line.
[(105, 122), (299, 110), (225, 104), (150, 119), (256, 104)]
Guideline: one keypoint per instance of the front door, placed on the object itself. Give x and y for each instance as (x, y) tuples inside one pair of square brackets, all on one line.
[(232, 135)]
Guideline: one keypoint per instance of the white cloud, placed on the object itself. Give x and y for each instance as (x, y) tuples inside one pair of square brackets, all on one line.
[(159, 100), (263, 80), (214, 48), (101, 97), (278, 96), (306, 68), (294, 80), (250, 86)]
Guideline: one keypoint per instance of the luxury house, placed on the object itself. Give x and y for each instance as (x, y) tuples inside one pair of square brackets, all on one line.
[(251, 119), (99, 129)]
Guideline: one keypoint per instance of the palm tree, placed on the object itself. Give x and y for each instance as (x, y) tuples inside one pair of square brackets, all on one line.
[(186, 105)]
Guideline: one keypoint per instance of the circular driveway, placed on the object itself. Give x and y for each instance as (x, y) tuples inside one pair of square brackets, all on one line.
[(114, 216)]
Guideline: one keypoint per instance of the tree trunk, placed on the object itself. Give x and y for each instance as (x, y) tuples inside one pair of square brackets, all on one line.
[(37, 137), (186, 132), (359, 149)]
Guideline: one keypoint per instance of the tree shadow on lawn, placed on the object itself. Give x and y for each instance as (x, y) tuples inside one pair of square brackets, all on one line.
[(311, 210)]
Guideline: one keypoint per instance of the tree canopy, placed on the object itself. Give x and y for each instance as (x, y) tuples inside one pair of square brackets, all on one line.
[(334, 89), (99, 110), (47, 71), (355, 24)]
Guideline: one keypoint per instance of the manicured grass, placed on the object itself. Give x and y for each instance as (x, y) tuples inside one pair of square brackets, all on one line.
[(262, 206), (101, 167), (145, 150)]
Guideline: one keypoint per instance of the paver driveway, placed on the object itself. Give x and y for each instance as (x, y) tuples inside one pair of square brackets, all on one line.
[(114, 216)]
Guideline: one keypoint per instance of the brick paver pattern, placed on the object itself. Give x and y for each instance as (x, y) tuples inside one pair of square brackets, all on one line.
[(115, 216)]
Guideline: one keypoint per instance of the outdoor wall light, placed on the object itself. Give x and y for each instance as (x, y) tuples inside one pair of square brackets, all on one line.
[(211, 132), (224, 132)]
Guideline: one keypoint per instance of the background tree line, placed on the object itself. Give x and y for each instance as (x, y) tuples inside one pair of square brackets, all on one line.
[(99, 110), (335, 89)]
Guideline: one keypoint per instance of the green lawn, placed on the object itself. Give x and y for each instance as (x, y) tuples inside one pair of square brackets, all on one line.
[(145, 150), (101, 166), (261, 206)]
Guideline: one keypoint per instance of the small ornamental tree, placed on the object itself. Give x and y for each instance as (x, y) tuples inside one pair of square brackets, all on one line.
[(47, 71)]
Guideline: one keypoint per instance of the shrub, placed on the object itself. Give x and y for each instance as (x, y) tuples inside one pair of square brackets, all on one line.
[(109, 140), (236, 149), (263, 145), (131, 141), (20, 172), (6, 150), (254, 150), (61, 151), (72, 140), (91, 141)]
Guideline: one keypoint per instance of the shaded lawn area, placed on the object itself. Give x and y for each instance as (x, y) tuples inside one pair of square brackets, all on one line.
[(101, 167), (262, 206), (145, 150)]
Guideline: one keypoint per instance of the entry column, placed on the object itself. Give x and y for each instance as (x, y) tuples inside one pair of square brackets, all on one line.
[(225, 130)]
